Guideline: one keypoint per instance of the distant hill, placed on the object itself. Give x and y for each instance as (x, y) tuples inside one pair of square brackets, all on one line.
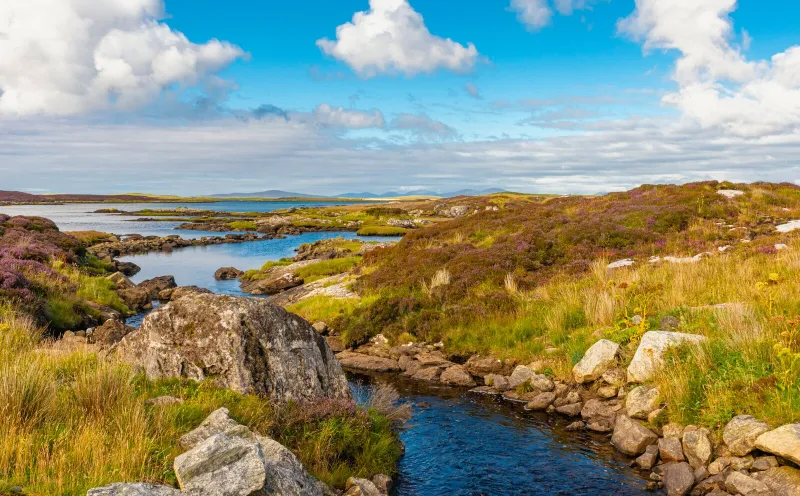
[(272, 193), (17, 196), (422, 192)]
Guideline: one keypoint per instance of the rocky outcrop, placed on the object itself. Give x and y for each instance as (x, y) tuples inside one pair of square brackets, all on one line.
[(157, 285), (649, 354), (133, 489), (600, 357), (180, 292), (456, 375), (244, 344), (227, 273), (275, 280), (368, 363), (783, 441)]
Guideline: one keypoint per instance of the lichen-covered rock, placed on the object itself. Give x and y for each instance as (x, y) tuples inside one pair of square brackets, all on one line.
[(227, 273), (678, 478), (541, 382), (649, 355), (670, 450), (641, 401), (520, 375), (480, 366), (783, 481), (541, 401), (648, 459), (630, 437), (738, 483), (697, 447), (133, 489), (783, 441), (456, 375), (741, 432), (368, 363), (110, 333), (244, 344), (275, 280), (600, 357)]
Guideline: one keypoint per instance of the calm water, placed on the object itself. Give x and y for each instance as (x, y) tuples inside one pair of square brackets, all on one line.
[(79, 216), (460, 443)]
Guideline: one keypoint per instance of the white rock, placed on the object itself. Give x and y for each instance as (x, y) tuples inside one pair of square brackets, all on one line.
[(783, 441), (781, 246), (788, 227), (649, 355), (730, 193), (641, 401), (621, 263), (520, 375), (600, 357)]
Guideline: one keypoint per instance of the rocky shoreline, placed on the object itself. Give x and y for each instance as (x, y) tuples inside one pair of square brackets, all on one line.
[(136, 244), (746, 457)]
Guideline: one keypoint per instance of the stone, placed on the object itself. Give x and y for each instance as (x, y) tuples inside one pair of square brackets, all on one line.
[(571, 410), (764, 463), (595, 408), (738, 483), (110, 333), (649, 355), (369, 363), (568, 398), (320, 327), (600, 357), (672, 430), (655, 417), (434, 359), (541, 382), (648, 459), (697, 448), (245, 344), (156, 285), (541, 401), (678, 478), (498, 382), (670, 450), (741, 432), (457, 376), (575, 426), (783, 481), (615, 377), (601, 424), (120, 280), (227, 273), (519, 376), (361, 487), (181, 292), (479, 366), (383, 483), (719, 465), (713, 483), (335, 343), (607, 392), (134, 489), (428, 374), (783, 441), (700, 474), (641, 401), (163, 401), (222, 465), (631, 437), (670, 323)]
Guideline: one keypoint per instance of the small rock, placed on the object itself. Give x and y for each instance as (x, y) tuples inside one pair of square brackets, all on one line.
[(457, 376), (571, 410), (678, 478), (784, 481), (672, 430), (320, 327), (649, 355), (428, 374), (520, 375), (383, 483), (764, 463), (600, 357), (741, 432), (227, 273), (607, 391), (641, 401), (125, 489), (670, 450), (741, 462), (541, 401), (615, 377), (739, 483), (361, 487), (631, 437), (541, 382), (498, 382), (783, 441), (697, 448), (700, 474), (719, 465), (357, 361), (648, 459), (575, 426)]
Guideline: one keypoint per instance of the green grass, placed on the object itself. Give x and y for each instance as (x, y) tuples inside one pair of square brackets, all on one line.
[(256, 274), (326, 268), (324, 308), (382, 231), (243, 225)]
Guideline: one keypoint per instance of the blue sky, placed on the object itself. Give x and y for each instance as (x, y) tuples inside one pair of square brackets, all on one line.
[(193, 97)]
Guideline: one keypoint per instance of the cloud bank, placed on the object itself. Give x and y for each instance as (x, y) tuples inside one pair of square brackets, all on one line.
[(67, 57)]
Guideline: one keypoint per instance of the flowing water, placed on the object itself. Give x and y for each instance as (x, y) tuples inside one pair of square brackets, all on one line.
[(456, 443)]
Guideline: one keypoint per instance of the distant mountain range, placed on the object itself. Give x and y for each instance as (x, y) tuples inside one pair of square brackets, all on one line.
[(274, 193)]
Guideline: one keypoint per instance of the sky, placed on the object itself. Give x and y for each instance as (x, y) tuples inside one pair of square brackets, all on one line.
[(543, 96)]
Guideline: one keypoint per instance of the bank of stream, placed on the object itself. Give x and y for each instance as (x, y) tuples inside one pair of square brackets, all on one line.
[(457, 443)]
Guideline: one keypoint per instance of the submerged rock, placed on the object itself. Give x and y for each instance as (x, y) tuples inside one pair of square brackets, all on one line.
[(244, 344)]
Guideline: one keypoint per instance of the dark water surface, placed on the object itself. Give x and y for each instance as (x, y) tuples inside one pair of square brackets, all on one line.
[(461, 443)]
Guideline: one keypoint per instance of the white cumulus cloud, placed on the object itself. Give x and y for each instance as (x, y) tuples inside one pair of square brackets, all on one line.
[(327, 115), (536, 14), (72, 56), (391, 37), (718, 87)]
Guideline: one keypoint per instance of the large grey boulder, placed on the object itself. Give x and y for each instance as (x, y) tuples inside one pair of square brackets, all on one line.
[(741, 432), (600, 357), (133, 489), (783, 441), (245, 344), (738, 483), (630, 437), (649, 356)]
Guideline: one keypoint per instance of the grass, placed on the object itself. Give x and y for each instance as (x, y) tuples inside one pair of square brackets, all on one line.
[(243, 225), (381, 231), (327, 268), (256, 274), (326, 308), (70, 421), (90, 238)]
